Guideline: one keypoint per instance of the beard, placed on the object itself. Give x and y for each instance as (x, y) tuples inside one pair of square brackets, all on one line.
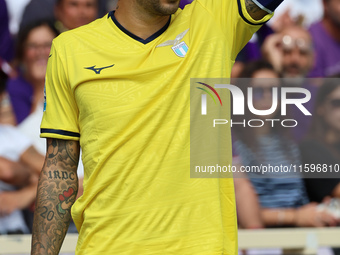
[(159, 7), (298, 74), (294, 80)]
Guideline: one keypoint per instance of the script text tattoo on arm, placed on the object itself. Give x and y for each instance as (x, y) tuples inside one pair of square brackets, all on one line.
[(254, 11)]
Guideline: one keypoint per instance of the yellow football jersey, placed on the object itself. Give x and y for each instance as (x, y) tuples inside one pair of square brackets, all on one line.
[(127, 101)]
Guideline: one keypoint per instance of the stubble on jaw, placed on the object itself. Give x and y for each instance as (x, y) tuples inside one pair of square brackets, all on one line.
[(156, 7)]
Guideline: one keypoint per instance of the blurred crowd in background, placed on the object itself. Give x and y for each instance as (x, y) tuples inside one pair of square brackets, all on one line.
[(302, 41)]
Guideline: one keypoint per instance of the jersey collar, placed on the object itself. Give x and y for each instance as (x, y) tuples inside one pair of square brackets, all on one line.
[(135, 37)]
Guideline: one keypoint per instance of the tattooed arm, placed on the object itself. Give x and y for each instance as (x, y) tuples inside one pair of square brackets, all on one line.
[(57, 190), (254, 11)]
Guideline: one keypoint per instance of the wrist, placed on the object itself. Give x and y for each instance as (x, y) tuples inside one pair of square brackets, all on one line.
[(281, 216), (288, 217)]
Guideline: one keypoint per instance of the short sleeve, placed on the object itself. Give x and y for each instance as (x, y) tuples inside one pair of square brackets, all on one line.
[(234, 20), (60, 118)]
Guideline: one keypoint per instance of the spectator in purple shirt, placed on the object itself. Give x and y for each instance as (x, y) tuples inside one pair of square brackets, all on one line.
[(326, 37), (33, 9), (291, 53), (183, 3), (33, 48)]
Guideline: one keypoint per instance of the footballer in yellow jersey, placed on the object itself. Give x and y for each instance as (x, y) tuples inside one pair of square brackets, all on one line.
[(127, 101)]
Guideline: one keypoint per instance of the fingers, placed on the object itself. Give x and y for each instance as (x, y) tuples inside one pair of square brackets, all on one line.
[(328, 219), (272, 42), (311, 216), (326, 200)]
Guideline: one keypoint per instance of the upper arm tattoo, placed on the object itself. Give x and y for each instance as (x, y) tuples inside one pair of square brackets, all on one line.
[(251, 6), (57, 190), (254, 11)]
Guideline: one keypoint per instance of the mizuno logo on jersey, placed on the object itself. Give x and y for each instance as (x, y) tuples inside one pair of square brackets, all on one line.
[(180, 48), (99, 69)]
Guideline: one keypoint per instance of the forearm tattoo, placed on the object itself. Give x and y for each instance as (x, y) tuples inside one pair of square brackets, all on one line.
[(57, 190)]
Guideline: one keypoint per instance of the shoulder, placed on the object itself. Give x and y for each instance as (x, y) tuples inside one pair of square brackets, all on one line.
[(17, 83), (318, 33), (199, 7), (20, 92), (315, 27)]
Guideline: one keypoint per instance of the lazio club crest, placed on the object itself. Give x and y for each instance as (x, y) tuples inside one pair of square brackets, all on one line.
[(180, 49)]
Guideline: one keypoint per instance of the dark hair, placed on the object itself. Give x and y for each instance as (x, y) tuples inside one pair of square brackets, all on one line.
[(319, 127), (3, 80), (58, 2), (24, 33), (252, 67)]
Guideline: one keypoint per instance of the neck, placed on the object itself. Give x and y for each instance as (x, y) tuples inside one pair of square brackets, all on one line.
[(138, 21), (38, 91), (331, 28), (36, 83)]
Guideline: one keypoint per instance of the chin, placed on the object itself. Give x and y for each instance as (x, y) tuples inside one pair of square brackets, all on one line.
[(159, 7), (172, 2), (169, 10), (170, 6)]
